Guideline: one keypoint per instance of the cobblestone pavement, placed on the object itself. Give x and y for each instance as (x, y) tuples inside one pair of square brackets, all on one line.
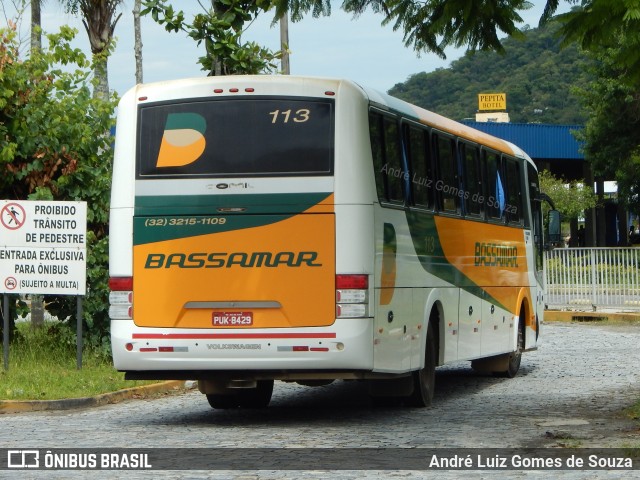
[(568, 394)]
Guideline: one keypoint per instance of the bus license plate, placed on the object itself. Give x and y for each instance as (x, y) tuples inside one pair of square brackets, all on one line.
[(232, 319)]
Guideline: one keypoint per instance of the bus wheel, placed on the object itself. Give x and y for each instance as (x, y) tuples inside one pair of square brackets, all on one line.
[(223, 402), (516, 357), (258, 397), (424, 380), (386, 402)]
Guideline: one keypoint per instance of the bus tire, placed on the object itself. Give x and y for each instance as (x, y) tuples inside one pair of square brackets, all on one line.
[(223, 401), (386, 402), (515, 357), (424, 380), (258, 397), (507, 364), (391, 392)]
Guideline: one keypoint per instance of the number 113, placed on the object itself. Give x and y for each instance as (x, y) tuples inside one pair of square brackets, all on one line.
[(284, 116)]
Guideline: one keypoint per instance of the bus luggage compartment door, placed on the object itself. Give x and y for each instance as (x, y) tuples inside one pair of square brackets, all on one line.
[(234, 271)]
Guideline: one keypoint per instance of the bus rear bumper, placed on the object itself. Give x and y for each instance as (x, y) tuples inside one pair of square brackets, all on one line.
[(347, 345)]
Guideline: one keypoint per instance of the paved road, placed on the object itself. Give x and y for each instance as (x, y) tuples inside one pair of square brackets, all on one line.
[(567, 394)]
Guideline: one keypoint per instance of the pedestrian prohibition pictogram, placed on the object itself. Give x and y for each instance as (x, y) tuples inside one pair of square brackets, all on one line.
[(12, 216)]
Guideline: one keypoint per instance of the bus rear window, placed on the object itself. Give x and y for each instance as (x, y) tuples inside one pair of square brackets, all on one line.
[(236, 138)]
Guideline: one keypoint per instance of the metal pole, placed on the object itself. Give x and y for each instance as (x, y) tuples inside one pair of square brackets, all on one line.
[(594, 276), (79, 333), (5, 331), (284, 43)]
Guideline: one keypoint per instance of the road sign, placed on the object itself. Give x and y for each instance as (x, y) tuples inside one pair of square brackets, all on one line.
[(43, 247)]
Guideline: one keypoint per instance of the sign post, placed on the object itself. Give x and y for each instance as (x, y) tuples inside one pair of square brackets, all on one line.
[(43, 250), (5, 331), (79, 332)]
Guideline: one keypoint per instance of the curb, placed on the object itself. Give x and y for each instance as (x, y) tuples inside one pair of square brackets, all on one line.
[(21, 406), (568, 316)]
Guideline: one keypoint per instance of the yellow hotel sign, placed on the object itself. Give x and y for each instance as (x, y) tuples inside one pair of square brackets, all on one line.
[(492, 101)]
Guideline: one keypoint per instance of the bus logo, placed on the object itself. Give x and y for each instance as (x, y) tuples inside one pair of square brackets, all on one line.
[(183, 140), (228, 260)]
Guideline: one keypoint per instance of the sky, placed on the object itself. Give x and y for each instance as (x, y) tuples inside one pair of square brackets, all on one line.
[(336, 46)]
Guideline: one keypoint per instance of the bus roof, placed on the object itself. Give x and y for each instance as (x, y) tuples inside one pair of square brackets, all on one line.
[(202, 85), (426, 117)]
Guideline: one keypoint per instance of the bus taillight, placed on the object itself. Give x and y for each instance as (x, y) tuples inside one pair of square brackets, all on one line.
[(352, 296), (121, 298), (360, 282), (120, 284)]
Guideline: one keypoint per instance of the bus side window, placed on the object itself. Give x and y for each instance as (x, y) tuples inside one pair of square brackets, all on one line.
[(377, 151), (472, 180), (536, 215), (421, 180), (394, 171), (494, 187), (387, 162), (533, 193), (447, 184), (514, 190)]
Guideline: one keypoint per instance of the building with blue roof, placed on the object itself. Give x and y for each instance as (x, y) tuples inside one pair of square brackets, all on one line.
[(540, 141), (552, 147), (555, 148)]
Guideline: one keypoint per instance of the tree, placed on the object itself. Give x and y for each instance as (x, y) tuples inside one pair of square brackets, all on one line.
[(99, 23), (52, 145), (571, 199), (36, 25), (610, 31), (137, 48), (612, 133), (434, 25), (220, 28), (600, 24)]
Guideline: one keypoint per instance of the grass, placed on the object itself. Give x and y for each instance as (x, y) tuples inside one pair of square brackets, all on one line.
[(42, 366), (600, 318), (629, 320), (633, 411), (568, 441)]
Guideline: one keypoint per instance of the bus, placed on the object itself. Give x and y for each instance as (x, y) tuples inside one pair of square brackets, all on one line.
[(309, 230)]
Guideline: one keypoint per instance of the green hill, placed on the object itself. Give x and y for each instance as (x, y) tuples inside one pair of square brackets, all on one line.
[(537, 76)]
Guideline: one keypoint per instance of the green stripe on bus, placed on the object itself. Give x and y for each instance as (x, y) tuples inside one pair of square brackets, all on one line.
[(159, 229), (426, 242), (157, 219)]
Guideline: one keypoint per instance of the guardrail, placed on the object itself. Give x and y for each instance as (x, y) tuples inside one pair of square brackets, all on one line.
[(593, 278)]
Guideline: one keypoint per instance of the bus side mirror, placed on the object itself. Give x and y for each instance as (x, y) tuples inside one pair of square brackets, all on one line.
[(553, 227)]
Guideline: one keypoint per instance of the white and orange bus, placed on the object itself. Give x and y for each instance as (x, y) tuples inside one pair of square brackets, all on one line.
[(302, 229)]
